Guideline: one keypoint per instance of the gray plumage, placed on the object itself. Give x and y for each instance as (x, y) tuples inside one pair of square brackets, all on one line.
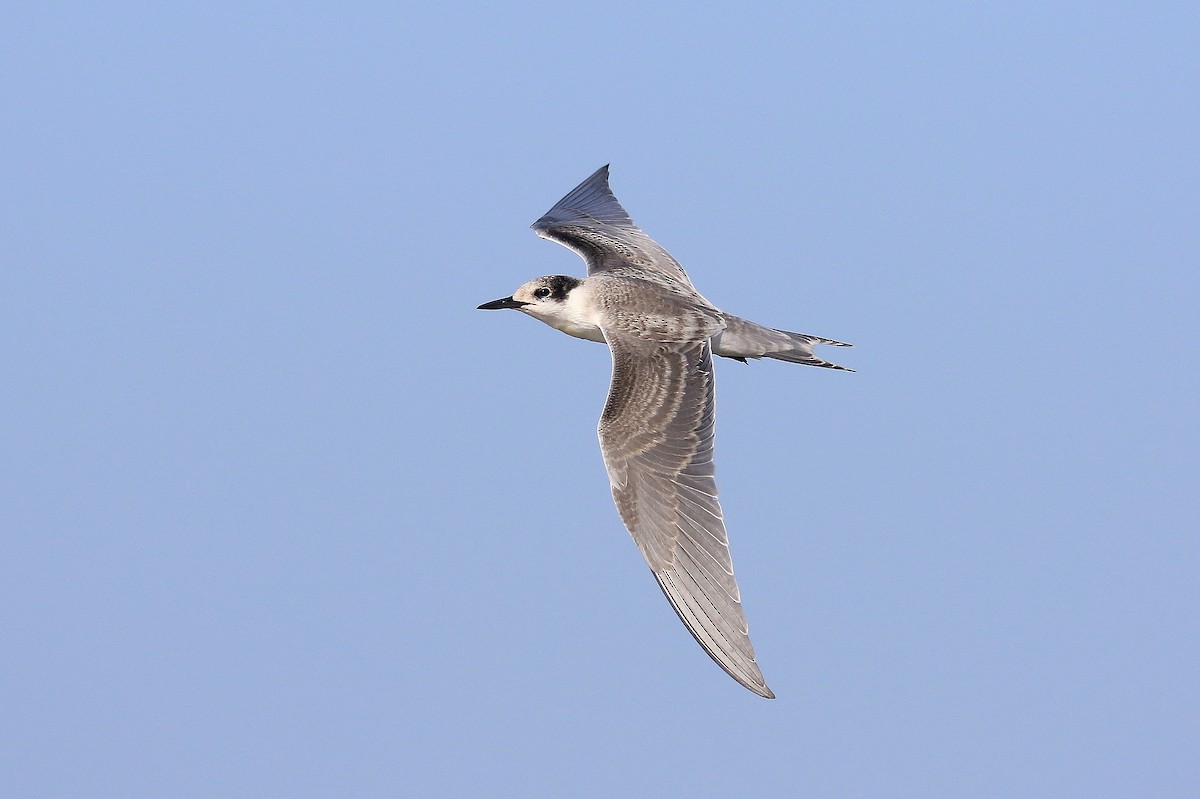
[(656, 429)]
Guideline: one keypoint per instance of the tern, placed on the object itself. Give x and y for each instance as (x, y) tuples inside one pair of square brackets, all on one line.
[(656, 429)]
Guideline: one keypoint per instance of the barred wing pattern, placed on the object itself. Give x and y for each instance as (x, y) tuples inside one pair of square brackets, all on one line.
[(656, 434)]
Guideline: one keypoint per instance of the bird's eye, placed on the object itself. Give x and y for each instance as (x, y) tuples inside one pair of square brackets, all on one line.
[(542, 293)]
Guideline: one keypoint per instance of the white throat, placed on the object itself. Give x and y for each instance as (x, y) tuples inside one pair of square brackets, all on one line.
[(577, 316)]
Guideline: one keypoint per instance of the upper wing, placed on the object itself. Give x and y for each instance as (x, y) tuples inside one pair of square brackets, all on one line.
[(656, 434), (592, 223)]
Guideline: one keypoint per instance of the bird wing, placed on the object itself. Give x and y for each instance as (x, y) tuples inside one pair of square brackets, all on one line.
[(656, 434), (591, 222)]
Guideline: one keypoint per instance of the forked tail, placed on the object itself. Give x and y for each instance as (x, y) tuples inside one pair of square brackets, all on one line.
[(742, 339)]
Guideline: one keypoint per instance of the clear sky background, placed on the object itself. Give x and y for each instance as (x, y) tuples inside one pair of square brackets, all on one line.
[(283, 515)]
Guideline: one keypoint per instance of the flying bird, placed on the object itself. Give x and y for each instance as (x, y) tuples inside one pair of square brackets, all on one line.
[(656, 429)]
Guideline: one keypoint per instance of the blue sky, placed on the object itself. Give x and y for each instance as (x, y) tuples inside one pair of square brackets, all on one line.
[(283, 515)]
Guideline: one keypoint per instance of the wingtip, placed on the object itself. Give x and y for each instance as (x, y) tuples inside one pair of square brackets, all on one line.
[(744, 670), (592, 200), (758, 687)]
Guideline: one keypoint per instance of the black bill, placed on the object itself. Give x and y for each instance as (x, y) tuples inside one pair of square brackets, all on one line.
[(504, 302)]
